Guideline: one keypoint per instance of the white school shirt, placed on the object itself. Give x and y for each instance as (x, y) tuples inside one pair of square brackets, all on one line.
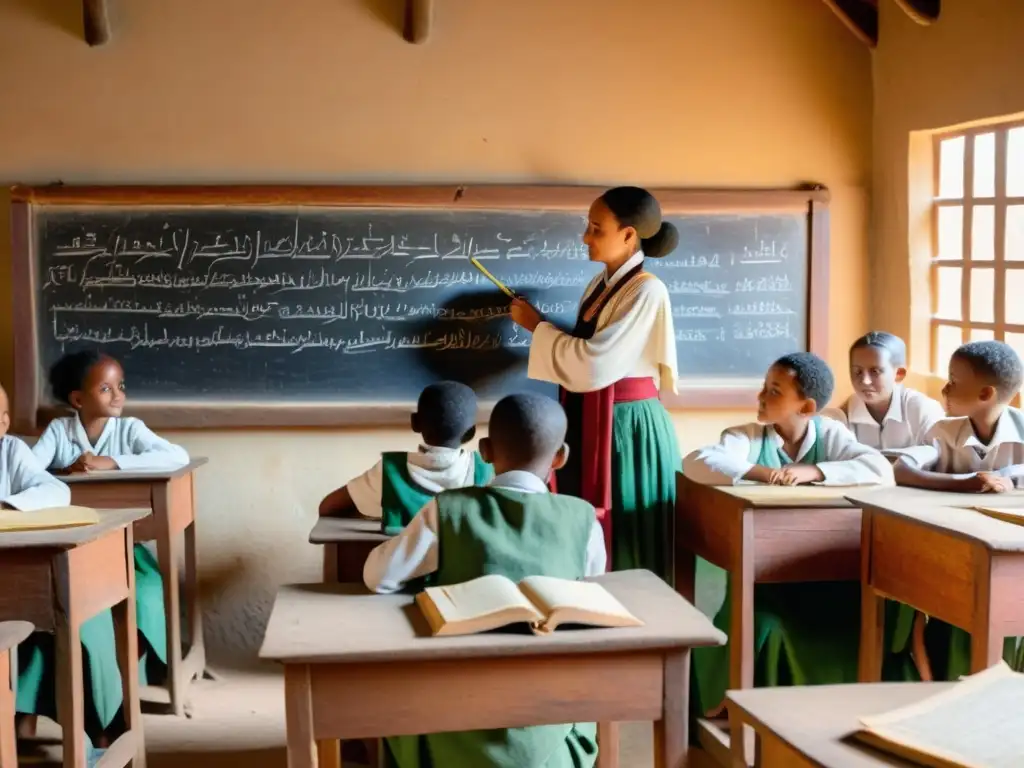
[(433, 468), (413, 552), (847, 462), (953, 448), (634, 338), (129, 442), (911, 414), (24, 482)]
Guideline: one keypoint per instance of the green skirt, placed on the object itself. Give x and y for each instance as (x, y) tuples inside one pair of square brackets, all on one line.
[(949, 650), (645, 461), (544, 746), (103, 697)]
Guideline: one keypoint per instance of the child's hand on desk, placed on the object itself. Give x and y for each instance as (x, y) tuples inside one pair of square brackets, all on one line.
[(800, 474), (89, 462), (993, 483)]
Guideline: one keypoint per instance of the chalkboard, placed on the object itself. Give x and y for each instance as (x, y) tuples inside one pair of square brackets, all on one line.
[(365, 305)]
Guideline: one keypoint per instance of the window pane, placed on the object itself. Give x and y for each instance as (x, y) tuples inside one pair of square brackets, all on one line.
[(983, 233), (1015, 162), (1014, 233), (985, 165), (951, 232), (951, 167), (949, 279), (983, 293), (947, 339), (1014, 309), (1016, 340), (981, 334)]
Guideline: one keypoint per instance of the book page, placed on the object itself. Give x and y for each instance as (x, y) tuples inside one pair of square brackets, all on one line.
[(479, 597), (979, 723), (1007, 514), (567, 601), (43, 519)]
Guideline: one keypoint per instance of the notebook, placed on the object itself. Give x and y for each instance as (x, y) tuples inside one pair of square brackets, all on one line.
[(542, 602), (44, 519), (1006, 514)]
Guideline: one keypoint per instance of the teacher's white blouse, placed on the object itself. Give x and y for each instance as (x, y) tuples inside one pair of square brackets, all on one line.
[(634, 338)]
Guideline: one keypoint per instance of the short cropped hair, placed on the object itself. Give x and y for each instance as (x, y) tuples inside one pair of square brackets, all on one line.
[(69, 373), (996, 363), (446, 412), (525, 428), (890, 342), (813, 377)]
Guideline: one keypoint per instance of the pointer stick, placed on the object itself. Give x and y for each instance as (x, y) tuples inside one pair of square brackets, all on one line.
[(501, 286)]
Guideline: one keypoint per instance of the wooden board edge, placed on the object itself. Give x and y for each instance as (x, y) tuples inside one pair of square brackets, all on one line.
[(466, 197), (818, 278), (23, 280)]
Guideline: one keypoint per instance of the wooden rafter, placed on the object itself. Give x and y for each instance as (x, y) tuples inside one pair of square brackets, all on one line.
[(859, 16), (418, 17), (96, 21)]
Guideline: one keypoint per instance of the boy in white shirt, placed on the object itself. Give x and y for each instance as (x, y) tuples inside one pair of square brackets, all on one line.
[(806, 634), (981, 447), (400, 484), (24, 482), (516, 528), (979, 450), (790, 444), (882, 412)]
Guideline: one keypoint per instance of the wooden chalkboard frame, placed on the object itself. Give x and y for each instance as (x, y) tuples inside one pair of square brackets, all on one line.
[(30, 414)]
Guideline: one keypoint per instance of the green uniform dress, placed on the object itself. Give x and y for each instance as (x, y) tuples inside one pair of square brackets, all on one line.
[(804, 634), (401, 498), (484, 531)]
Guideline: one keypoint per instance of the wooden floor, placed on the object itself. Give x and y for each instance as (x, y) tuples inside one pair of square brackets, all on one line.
[(238, 722)]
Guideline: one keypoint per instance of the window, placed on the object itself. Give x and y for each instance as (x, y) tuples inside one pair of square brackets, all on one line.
[(977, 268)]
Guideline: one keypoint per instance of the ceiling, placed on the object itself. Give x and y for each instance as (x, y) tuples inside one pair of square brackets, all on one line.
[(861, 16)]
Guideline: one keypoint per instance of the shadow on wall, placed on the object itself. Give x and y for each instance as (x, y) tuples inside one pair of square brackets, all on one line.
[(65, 15), (390, 13)]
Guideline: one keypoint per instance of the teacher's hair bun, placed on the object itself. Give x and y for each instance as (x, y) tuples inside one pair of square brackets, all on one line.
[(664, 241)]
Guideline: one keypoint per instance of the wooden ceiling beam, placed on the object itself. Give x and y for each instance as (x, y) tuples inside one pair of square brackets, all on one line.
[(96, 21), (419, 14), (859, 16)]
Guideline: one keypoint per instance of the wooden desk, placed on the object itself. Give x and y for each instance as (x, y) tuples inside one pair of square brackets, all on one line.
[(11, 633), (349, 658), (171, 496), (347, 543), (761, 534), (809, 726), (64, 577), (927, 550)]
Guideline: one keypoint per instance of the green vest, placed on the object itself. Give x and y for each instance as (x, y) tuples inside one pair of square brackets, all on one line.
[(401, 498), (766, 453), (484, 531)]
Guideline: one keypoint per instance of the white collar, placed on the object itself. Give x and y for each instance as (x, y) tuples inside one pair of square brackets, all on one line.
[(82, 438), (857, 412), (518, 480), (634, 260), (805, 445), (1007, 431)]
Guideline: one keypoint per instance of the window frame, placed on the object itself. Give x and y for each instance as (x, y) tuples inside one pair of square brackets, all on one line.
[(1000, 201)]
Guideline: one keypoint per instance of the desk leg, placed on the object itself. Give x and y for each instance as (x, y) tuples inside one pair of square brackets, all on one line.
[(195, 661), (330, 563), (671, 737), (70, 696), (986, 640), (872, 611), (127, 638), (686, 573), (298, 712), (167, 558), (741, 640), (8, 742), (608, 745), (328, 753), (738, 747)]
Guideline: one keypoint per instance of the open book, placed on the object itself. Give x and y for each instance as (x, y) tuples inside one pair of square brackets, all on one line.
[(542, 602), (43, 519), (1006, 514), (977, 723)]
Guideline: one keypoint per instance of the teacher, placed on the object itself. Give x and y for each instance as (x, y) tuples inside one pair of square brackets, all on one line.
[(623, 454)]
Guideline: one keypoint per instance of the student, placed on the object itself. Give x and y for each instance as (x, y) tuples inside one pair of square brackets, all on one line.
[(97, 437), (24, 483), (512, 527), (805, 633), (882, 412), (979, 450), (400, 484)]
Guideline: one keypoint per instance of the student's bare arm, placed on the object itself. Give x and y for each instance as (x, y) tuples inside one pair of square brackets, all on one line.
[(338, 504), (759, 474), (907, 474)]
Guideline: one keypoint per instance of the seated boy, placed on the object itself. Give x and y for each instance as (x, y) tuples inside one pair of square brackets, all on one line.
[(397, 486), (24, 482), (512, 527), (980, 449), (806, 633)]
